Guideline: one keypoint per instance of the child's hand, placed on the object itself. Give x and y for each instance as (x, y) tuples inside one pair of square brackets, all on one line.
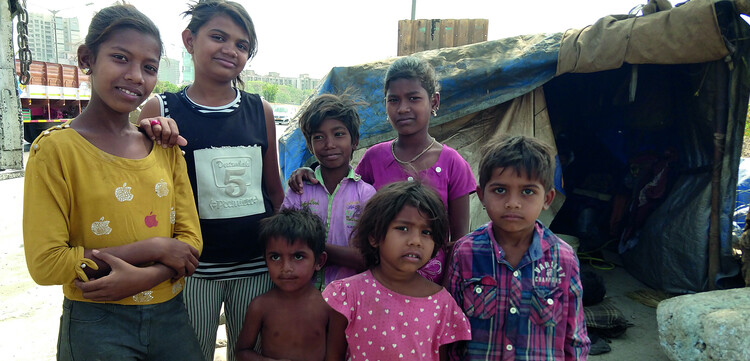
[(179, 256), (123, 280), (163, 130), (296, 180)]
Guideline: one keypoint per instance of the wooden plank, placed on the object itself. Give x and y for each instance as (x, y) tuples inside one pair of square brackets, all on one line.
[(432, 34), (461, 36), (428, 34), (447, 33)]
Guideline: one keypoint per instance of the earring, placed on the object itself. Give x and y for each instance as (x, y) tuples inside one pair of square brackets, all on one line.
[(86, 71), (434, 112)]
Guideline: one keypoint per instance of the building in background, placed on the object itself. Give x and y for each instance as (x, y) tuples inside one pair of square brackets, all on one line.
[(54, 39), (188, 70), (169, 70), (303, 81)]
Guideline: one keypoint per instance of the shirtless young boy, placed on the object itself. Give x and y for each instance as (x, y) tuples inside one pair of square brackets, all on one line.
[(291, 319)]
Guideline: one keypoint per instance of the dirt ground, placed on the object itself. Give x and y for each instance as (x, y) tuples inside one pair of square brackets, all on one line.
[(746, 147)]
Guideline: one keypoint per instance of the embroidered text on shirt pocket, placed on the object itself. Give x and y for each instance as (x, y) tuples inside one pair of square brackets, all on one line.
[(546, 306), (480, 297)]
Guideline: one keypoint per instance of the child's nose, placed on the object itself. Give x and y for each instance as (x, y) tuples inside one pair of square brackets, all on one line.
[(135, 75), (404, 107), (513, 203)]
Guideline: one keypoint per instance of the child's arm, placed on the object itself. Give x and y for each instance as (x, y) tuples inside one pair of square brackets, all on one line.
[(458, 218), (249, 334), (577, 342), (178, 256), (165, 132), (271, 174), (336, 342), (123, 281)]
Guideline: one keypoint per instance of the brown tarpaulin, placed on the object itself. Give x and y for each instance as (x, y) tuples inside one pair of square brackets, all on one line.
[(683, 35)]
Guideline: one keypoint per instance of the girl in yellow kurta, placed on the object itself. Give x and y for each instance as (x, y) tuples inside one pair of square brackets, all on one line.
[(110, 215)]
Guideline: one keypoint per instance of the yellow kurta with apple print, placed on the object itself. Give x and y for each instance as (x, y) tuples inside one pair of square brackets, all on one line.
[(78, 197)]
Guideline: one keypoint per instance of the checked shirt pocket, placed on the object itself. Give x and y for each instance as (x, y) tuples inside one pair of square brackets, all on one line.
[(546, 306), (480, 297)]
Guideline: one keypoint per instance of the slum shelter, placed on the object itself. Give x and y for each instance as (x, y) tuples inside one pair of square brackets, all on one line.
[(646, 114)]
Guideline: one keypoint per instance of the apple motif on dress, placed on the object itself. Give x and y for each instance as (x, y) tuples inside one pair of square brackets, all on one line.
[(101, 227), (161, 188), (144, 296), (177, 287), (151, 220), (123, 193), (171, 215)]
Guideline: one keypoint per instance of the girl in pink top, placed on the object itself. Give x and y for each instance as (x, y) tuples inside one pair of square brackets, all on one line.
[(411, 98), (391, 312)]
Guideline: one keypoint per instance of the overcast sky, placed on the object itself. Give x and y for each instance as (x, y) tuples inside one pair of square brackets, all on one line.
[(310, 37)]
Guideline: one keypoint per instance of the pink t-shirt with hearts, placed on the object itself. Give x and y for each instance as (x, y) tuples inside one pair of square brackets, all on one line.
[(385, 325)]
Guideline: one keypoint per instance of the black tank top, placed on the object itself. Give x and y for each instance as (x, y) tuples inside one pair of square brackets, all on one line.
[(224, 158)]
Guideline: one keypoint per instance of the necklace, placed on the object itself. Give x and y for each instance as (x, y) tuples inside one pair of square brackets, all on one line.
[(393, 151)]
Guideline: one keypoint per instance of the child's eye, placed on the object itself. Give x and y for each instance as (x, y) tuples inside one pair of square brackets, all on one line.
[(299, 257), (120, 57), (527, 192), (274, 257), (401, 228), (414, 98), (243, 47), (152, 68), (427, 232), (499, 190), (217, 37), (316, 137), (340, 134), (391, 100)]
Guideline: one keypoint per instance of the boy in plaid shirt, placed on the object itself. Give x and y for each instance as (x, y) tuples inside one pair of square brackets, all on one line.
[(518, 283)]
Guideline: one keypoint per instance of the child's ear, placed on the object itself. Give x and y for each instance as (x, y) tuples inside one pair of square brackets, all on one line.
[(548, 198), (435, 101), (85, 58), (373, 242), (480, 194), (321, 261), (187, 40)]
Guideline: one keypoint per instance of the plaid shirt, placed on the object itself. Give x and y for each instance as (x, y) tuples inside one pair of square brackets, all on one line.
[(533, 312)]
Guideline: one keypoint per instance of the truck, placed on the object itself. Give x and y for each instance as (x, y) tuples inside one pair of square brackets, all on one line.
[(55, 94)]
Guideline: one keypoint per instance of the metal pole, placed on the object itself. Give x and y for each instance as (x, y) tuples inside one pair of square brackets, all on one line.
[(413, 9), (54, 31)]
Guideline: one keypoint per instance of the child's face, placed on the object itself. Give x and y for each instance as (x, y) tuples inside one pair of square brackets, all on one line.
[(332, 144), (409, 106), (220, 48), (513, 201), (408, 243), (123, 72), (291, 266)]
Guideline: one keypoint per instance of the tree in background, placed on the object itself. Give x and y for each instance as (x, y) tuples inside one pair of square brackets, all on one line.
[(164, 86), (270, 91), (286, 94)]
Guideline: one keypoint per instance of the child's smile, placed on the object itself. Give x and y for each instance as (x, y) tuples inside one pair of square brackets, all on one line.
[(332, 144), (124, 69)]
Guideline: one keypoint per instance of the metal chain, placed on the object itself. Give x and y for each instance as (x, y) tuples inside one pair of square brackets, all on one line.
[(24, 53)]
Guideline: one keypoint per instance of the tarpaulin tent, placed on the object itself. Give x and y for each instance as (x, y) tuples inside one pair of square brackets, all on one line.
[(646, 114)]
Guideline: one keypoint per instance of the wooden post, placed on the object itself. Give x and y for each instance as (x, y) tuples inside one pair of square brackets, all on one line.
[(420, 35)]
